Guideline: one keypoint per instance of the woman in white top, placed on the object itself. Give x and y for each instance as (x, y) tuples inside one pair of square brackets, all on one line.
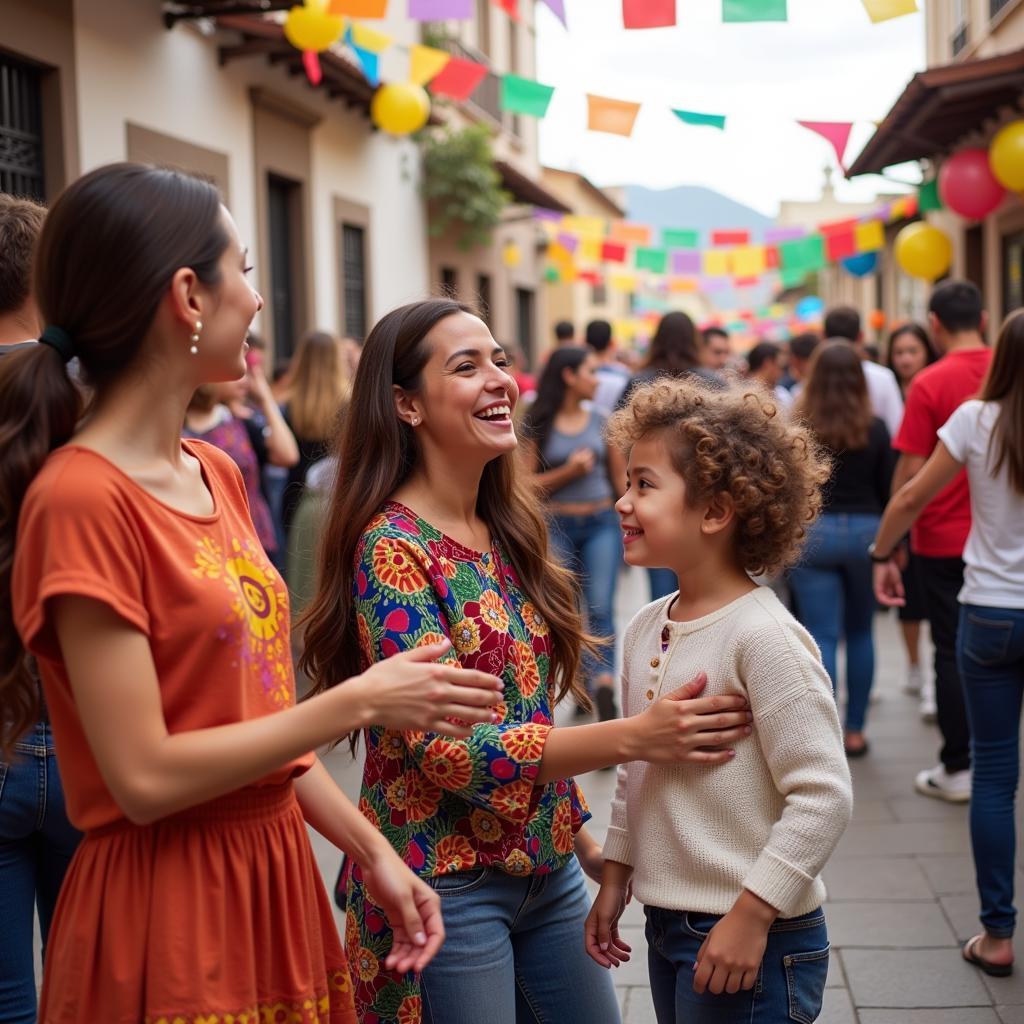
[(987, 436)]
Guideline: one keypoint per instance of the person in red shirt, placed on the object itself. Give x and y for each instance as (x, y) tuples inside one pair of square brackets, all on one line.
[(957, 322)]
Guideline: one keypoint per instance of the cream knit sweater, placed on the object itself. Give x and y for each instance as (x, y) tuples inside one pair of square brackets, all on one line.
[(766, 821)]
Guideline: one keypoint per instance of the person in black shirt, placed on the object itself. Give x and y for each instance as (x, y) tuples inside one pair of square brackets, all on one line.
[(832, 583)]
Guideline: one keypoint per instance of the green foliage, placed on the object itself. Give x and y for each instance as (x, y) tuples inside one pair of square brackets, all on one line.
[(462, 185)]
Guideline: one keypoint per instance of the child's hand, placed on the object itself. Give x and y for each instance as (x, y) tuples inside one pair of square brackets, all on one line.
[(731, 955), (601, 930)]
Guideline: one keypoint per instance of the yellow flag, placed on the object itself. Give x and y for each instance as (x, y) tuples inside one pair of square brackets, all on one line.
[(511, 255), (716, 262), (425, 62), (590, 250), (569, 273), (367, 38), (616, 117), (748, 260), (869, 237), (883, 10), (585, 227), (622, 282), (558, 253)]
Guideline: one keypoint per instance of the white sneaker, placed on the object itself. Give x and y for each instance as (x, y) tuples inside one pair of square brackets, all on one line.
[(914, 681), (929, 709), (955, 787)]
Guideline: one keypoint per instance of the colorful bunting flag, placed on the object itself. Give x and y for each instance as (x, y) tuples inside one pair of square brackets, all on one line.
[(370, 39), (613, 252), (524, 96), (680, 238), (754, 10), (793, 278), (655, 260), (622, 282), (836, 132), (747, 282), (311, 64), (686, 262), (631, 234), (590, 276), (551, 275), (557, 9), (883, 10), (870, 236), (928, 196), (804, 254), (784, 234), (590, 250), (716, 262), (748, 261), (730, 237), (691, 117), (440, 10), (771, 257), (840, 244), (568, 241), (425, 62), (510, 7), (358, 8), (648, 13), (458, 78), (585, 227), (616, 117), (558, 253), (511, 254), (682, 284), (368, 61)]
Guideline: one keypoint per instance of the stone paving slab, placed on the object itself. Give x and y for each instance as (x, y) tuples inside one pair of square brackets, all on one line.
[(888, 925), (912, 978), (876, 878), (960, 1015)]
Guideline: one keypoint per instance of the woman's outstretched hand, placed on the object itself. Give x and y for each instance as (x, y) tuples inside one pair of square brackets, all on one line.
[(684, 727), (412, 690)]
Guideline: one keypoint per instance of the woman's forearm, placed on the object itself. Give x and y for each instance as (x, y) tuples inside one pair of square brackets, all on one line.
[(583, 748)]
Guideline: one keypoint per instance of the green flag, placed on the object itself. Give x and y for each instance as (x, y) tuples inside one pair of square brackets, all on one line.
[(680, 238), (690, 117), (793, 278), (754, 10), (928, 196), (552, 276), (655, 260), (525, 96), (804, 254)]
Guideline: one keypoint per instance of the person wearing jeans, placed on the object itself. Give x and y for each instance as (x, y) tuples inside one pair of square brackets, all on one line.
[(832, 582), (985, 437), (36, 845)]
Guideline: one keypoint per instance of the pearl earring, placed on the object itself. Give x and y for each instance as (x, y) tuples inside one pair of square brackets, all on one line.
[(194, 349), (416, 421)]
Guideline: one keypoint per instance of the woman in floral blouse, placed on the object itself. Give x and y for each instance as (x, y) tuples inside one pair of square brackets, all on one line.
[(433, 533)]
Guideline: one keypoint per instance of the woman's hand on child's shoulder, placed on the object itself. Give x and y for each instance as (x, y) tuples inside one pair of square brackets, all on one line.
[(683, 727)]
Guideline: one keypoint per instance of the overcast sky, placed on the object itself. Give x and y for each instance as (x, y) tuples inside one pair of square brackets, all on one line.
[(827, 63)]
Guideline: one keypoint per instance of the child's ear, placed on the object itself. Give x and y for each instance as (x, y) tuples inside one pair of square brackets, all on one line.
[(719, 514)]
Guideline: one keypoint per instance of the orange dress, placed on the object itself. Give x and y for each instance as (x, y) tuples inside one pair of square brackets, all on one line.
[(217, 914)]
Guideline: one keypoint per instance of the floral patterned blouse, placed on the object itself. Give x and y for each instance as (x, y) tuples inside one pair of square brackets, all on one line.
[(451, 805)]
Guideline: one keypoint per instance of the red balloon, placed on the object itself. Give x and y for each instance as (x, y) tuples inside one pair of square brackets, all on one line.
[(967, 185)]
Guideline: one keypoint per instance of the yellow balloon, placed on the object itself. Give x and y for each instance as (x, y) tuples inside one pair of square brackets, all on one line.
[(400, 108), (923, 251), (310, 27), (1006, 156)]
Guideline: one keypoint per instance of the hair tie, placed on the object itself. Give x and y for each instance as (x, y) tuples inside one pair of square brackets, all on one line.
[(59, 339)]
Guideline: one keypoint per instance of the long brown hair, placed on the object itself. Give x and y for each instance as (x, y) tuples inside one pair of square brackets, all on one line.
[(376, 453), (319, 386), (674, 347), (1004, 383), (108, 250), (834, 402)]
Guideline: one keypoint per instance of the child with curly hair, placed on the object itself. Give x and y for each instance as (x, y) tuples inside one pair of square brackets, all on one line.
[(726, 859)]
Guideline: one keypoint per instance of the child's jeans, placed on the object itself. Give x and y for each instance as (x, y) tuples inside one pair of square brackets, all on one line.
[(790, 984)]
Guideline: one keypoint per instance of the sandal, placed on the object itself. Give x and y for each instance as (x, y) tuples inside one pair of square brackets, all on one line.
[(986, 966)]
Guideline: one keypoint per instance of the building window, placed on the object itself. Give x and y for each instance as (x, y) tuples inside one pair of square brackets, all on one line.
[(960, 25), (483, 27), (21, 130), (449, 283), (284, 204), (483, 297), (598, 294), (353, 279), (1013, 272), (524, 323)]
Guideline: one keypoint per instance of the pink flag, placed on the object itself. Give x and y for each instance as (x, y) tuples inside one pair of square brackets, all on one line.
[(648, 13), (837, 132), (311, 62), (458, 79), (558, 9)]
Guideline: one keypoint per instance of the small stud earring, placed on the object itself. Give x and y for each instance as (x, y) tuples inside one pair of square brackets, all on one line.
[(415, 421), (194, 348)]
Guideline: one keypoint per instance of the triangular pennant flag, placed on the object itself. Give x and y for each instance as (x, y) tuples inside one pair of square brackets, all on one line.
[(367, 38), (311, 63), (524, 96), (836, 132), (510, 7), (616, 117), (458, 79), (690, 117), (883, 10), (754, 10), (369, 62), (440, 10), (358, 8), (425, 62), (557, 9), (648, 13)]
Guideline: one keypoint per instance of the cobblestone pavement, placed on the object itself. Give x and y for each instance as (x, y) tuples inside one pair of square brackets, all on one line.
[(901, 883)]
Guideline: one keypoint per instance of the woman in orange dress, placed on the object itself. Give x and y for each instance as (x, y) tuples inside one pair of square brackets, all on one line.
[(161, 633)]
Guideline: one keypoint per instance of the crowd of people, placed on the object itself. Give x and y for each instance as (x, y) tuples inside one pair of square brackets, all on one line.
[(454, 550)]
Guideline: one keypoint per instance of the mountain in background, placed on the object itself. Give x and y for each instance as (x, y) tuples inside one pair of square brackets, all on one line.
[(690, 206)]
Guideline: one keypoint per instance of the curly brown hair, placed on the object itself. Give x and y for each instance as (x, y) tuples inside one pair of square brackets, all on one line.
[(734, 441)]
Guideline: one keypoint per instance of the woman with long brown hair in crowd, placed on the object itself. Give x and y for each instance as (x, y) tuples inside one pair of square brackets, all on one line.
[(433, 532), (134, 576), (832, 583)]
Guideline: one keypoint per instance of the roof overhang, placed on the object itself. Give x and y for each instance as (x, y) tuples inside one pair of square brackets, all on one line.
[(939, 107), (525, 190)]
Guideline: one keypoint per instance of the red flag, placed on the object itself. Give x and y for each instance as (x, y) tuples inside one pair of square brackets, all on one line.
[(648, 13), (771, 257), (311, 62), (458, 78), (746, 282), (834, 226), (837, 132), (735, 237), (840, 244), (613, 252), (510, 7), (589, 277)]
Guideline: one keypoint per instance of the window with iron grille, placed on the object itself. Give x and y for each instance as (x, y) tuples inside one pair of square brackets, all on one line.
[(483, 297), (449, 283), (353, 269), (21, 130), (524, 323)]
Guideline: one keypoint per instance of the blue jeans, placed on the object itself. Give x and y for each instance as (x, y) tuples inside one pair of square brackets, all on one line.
[(835, 599), (790, 984), (514, 952), (990, 654), (591, 547), (36, 844)]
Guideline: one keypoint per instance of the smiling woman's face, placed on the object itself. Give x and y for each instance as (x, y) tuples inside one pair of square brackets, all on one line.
[(467, 394)]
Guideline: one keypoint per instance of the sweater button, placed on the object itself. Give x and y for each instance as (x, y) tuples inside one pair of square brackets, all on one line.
[(650, 695), (655, 662)]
